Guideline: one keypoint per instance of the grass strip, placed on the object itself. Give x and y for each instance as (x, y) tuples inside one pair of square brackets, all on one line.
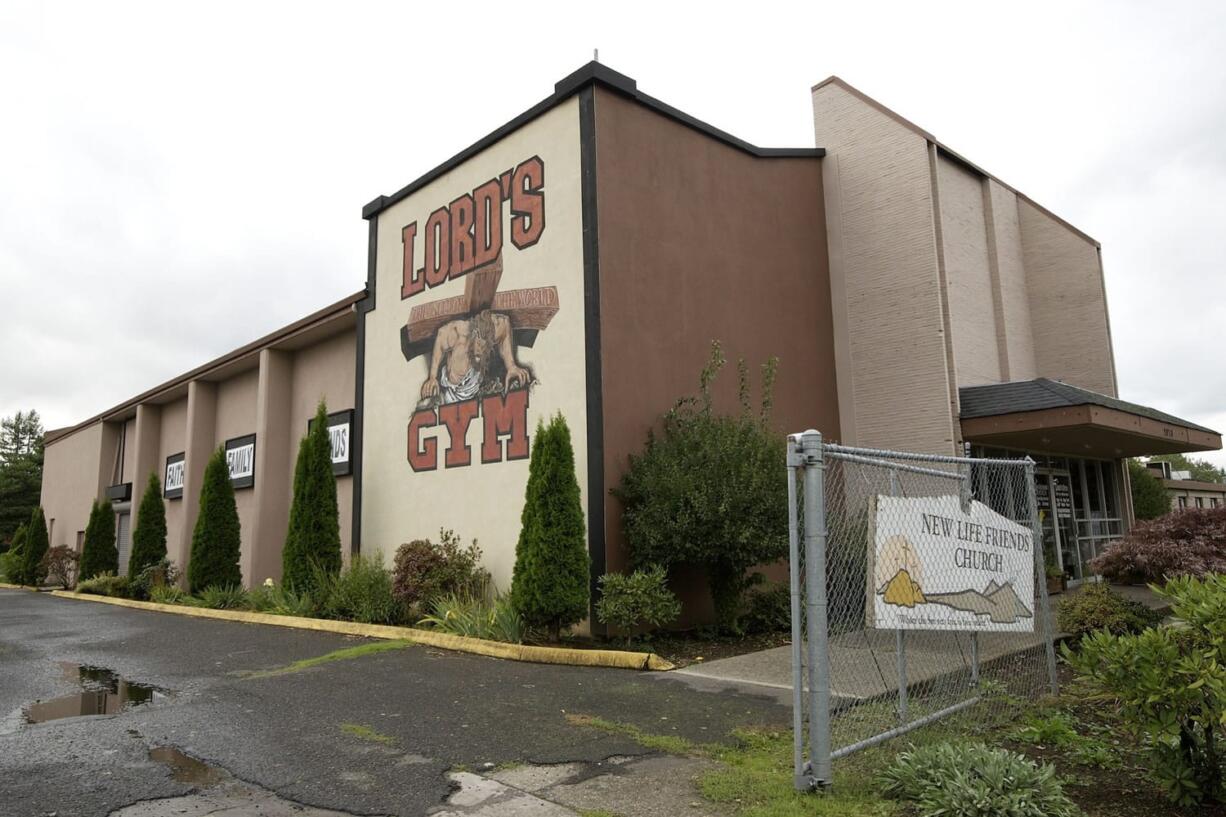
[(345, 654)]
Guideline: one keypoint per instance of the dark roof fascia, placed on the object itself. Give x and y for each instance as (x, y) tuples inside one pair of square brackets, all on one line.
[(600, 75), (1193, 485), (315, 318)]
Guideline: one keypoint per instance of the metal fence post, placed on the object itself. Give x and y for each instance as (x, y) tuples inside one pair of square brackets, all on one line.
[(799, 778), (816, 618), (1040, 566), (900, 637)]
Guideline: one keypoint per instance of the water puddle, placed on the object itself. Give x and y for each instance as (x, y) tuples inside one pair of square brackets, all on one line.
[(102, 693), (187, 769)]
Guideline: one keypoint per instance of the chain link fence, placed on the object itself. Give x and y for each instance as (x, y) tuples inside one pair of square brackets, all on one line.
[(922, 581)]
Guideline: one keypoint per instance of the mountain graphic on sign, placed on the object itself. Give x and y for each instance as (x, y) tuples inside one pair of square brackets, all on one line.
[(999, 602)]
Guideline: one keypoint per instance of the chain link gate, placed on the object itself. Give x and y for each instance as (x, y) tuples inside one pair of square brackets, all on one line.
[(921, 580)]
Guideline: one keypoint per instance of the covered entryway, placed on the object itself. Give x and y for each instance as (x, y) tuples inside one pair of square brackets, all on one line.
[(1079, 440)]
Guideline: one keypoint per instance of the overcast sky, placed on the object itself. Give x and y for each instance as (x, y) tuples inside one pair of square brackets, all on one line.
[(179, 179)]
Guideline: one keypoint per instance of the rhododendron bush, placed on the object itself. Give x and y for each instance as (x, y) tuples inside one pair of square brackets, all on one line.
[(1191, 542)]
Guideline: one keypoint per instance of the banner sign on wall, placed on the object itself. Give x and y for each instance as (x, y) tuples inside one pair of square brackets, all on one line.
[(935, 566), (240, 457), (176, 464), (340, 427)]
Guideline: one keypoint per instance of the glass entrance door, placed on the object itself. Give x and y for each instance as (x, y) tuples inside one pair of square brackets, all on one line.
[(1054, 494)]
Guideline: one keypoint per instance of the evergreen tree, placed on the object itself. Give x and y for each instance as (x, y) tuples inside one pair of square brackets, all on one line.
[(149, 536), (550, 584), (314, 535), (216, 538), (98, 553), (21, 470), (1149, 497), (33, 570)]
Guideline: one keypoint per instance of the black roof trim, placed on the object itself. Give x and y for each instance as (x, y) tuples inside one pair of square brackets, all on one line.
[(593, 73), (1043, 393)]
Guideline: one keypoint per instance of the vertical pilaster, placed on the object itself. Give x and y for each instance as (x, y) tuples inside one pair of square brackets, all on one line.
[(262, 557), (146, 447), (200, 440)]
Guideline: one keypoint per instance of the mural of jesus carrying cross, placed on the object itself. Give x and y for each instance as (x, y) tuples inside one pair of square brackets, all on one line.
[(470, 340)]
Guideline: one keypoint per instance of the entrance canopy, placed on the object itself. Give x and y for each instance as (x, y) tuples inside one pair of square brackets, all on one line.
[(1047, 415)]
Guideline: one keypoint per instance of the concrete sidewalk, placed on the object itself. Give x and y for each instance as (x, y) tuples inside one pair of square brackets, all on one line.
[(863, 663)]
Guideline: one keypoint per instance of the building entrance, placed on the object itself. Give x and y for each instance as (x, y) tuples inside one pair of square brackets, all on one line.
[(1054, 495)]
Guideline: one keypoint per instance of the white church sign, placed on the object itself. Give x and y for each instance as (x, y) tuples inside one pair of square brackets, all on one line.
[(936, 566)]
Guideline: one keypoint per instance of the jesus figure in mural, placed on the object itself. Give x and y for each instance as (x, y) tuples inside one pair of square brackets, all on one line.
[(472, 357)]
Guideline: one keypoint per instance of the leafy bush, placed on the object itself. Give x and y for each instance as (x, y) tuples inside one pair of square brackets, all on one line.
[(105, 584), (149, 535), (1149, 497), (13, 561), (60, 565), (167, 594), (361, 592), (477, 617), (1190, 542), (223, 597), (549, 586), (35, 548), (98, 553), (708, 491), (159, 574), (423, 570), (313, 541), (217, 537), (768, 610), (972, 780), (280, 600), (1098, 607), (1170, 686), (641, 599)]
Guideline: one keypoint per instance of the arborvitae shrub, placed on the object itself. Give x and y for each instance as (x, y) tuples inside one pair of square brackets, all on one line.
[(34, 569), (550, 584), (149, 536), (12, 563), (99, 554), (313, 541), (1149, 497), (217, 537)]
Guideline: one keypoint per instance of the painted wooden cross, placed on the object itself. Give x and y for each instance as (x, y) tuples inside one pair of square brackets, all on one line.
[(528, 310)]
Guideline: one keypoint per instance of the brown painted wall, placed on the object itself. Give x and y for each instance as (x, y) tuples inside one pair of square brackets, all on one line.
[(700, 241)]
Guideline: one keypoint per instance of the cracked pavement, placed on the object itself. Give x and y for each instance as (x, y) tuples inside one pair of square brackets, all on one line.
[(458, 734)]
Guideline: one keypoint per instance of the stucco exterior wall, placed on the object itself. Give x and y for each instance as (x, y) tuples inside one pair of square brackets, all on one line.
[(235, 417), (173, 441), (324, 371), (71, 482), (968, 275), (1068, 303), (894, 379)]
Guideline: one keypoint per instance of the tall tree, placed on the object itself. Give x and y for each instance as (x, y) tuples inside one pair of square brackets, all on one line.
[(1149, 498), (21, 471), (1201, 470), (313, 541), (217, 537), (98, 553), (550, 583), (33, 568), (149, 536)]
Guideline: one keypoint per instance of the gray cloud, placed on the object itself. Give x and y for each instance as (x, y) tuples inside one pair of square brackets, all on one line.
[(176, 181)]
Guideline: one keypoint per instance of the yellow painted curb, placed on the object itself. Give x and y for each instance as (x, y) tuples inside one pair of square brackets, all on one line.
[(620, 659), (7, 586)]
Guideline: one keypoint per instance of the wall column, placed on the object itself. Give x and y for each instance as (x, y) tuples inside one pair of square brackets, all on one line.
[(262, 559), (145, 450), (199, 445)]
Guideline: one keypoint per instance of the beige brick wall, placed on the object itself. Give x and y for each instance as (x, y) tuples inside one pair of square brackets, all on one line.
[(1068, 304), (1013, 315), (968, 275), (889, 338)]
